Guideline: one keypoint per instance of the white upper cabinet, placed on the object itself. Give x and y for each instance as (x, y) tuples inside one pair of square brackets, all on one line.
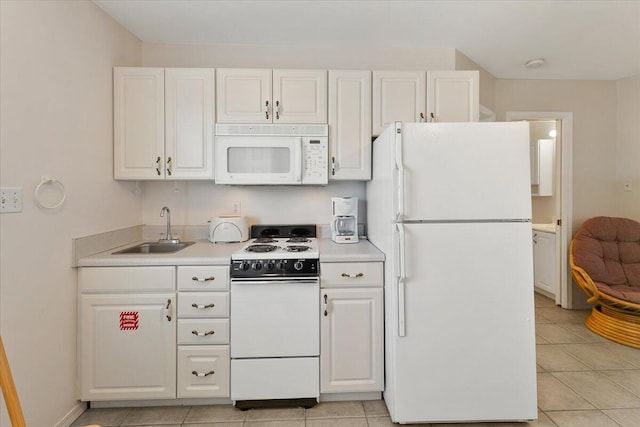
[(138, 123), (397, 96), (350, 125), (244, 95), (453, 96), (271, 96), (163, 123), (190, 109)]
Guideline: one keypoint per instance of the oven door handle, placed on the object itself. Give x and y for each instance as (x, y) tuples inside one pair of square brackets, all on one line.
[(272, 281)]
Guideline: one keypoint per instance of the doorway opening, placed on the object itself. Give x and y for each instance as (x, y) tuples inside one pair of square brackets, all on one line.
[(553, 202)]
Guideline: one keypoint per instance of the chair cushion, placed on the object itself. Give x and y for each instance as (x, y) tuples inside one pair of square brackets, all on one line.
[(608, 249), (623, 292)]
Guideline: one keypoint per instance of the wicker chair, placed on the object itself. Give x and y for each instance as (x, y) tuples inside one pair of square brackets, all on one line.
[(605, 263)]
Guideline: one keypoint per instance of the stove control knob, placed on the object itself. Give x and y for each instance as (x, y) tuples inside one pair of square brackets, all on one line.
[(244, 266), (269, 265), (280, 265), (257, 265), (298, 265)]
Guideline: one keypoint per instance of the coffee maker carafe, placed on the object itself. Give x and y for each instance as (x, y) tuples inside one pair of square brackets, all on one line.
[(344, 224)]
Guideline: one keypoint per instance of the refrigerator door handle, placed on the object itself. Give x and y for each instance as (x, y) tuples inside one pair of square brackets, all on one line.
[(401, 278), (400, 168)]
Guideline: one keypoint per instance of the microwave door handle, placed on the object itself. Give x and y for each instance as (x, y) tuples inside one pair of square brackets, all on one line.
[(298, 160)]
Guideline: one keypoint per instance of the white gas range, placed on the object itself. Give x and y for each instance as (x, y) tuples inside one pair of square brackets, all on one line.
[(275, 318)]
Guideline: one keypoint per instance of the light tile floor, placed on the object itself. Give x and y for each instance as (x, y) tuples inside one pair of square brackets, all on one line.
[(583, 380)]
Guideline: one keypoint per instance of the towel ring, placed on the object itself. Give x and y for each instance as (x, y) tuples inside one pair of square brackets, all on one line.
[(49, 180)]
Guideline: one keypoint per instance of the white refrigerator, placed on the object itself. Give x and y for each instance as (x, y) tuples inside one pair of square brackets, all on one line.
[(450, 205)]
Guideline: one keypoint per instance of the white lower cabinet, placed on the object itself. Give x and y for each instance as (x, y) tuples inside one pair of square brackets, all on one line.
[(544, 261), (126, 342), (136, 343), (351, 330), (203, 331), (203, 371)]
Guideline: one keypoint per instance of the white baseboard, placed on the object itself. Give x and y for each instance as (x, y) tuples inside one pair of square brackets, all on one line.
[(337, 397), (72, 415)]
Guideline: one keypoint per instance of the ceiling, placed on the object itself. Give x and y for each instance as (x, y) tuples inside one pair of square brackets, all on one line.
[(579, 39)]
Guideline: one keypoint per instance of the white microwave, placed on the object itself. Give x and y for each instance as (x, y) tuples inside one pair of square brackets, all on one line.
[(271, 154)]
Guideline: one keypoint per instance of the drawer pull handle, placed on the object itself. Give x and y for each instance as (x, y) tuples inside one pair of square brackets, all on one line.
[(194, 305), (354, 276), (202, 334), (202, 374), (206, 279)]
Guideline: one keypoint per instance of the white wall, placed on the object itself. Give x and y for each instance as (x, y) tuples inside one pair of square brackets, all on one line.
[(543, 209), (628, 147), (55, 71), (593, 104), (196, 202)]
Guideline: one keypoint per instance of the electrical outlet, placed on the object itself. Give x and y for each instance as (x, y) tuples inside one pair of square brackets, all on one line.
[(236, 209), (628, 186), (10, 199)]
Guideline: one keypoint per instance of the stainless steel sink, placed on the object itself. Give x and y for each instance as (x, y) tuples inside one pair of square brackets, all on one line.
[(155, 248)]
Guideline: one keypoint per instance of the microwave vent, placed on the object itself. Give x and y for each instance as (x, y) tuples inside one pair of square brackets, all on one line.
[(275, 130)]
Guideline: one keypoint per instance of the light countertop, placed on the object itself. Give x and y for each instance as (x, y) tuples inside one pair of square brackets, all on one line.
[(548, 228), (204, 252), (363, 251)]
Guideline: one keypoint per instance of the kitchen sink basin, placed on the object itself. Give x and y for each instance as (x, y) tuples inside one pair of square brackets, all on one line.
[(155, 248)]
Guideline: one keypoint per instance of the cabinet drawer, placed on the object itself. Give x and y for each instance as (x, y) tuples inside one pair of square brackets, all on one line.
[(203, 304), (126, 279), (203, 331), (203, 278), (351, 274), (203, 371)]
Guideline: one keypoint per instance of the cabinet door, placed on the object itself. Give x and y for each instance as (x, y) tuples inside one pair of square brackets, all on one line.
[(138, 123), (453, 96), (243, 95), (350, 124), (189, 107), (397, 96), (351, 340), (544, 261), (300, 96), (127, 346), (203, 371)]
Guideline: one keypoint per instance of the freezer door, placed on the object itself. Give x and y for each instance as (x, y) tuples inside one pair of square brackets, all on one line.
[(468, 350), (461, 171)]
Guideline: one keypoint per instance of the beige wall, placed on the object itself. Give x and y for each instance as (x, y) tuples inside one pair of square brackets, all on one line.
[(487, 81), (628, 147), (55, 71), (593, 104), (232, 56)]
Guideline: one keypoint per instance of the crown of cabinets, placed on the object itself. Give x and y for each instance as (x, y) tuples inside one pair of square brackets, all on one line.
[(164, 117)]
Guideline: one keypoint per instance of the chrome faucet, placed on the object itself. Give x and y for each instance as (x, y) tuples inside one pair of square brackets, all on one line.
[(169, 236)]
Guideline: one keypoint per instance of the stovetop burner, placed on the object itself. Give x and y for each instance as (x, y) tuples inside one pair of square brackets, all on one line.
[(296, 248), (298, 240), (261, 248), (264, 240)]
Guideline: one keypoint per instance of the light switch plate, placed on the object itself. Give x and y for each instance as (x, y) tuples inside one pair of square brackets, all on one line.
[(10, 199), (628, 186)]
